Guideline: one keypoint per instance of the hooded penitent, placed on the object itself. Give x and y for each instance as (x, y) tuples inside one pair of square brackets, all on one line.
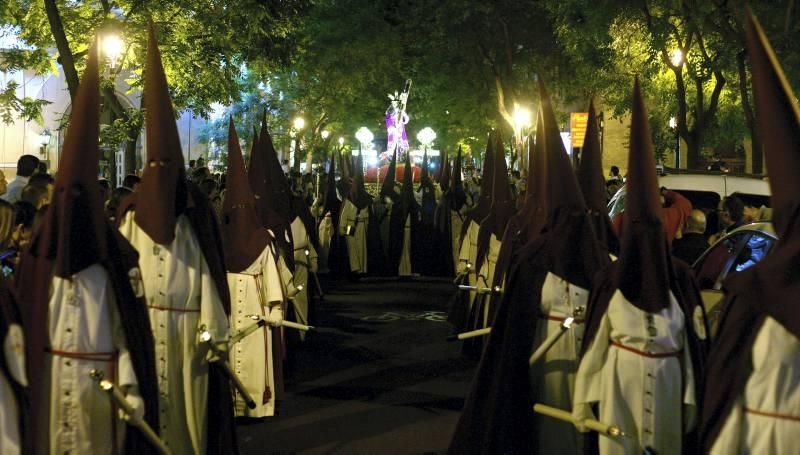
[(593, 185), (74, 235), (358, 193), (406, 206), (484, 203), (243, 235), (502, 208), (428, 191), (444, 172), (442, 221), (764, 295), (387, 188), (163, 183), (498, 415)]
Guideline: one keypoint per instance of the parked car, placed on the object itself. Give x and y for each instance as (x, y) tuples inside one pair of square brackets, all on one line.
[(705, 191), (739, 250)]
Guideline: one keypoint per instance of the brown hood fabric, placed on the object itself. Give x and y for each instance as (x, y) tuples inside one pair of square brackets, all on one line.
[(76, 212), (444, 172), (360, 197), (405, 206), (502, 208), (243, 235), (163, 184), (481, 209), (281, 198), (75, 235), (253, 146), (643, 269), (332, 203), (387, 188), (593, 185), (770, 288)]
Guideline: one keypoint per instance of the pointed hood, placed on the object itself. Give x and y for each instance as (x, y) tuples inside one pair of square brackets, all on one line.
[(457, 169), (280, 199), (253, 147), (75, 214), (387, 188), (444, 172), (643, 268), (563, 189), (242, 232), (481, 209), (424, 175), (502, 208), (408, 181), (360, 196), (163, 189), (593, 185), (259, 178), (331, 201), (778, 121)]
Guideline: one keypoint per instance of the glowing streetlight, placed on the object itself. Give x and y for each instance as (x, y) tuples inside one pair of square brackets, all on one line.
[(522, 118), (112, 46), (426, 136), (673, 122), (676, 57), (325, 134), (299, 123), (364, 136), (341, 141)]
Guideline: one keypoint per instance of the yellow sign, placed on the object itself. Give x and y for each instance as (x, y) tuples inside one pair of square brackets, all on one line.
[(577, 126)]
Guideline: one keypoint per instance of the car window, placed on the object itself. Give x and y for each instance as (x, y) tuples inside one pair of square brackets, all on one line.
[(753, 200), (752, 252), (712, 267)]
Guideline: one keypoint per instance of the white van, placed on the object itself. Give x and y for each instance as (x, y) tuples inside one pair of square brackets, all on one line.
[(705, 191)]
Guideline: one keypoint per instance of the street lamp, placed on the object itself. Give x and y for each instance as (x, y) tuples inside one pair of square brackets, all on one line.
[(426, 136), (364, 136), (341, 141), (673, 124), (44, 140), (112, 46), (325, 134), (522, 119)]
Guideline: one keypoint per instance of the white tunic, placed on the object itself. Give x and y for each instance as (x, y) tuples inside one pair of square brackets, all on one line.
[(304, 264), (83, 321), (182, 297), (255, 291), (456, 222), (468, 255), (643, 395), (352, 218), (766, 416), (486, 274), (326, 231), (14, 355), (553, 376)]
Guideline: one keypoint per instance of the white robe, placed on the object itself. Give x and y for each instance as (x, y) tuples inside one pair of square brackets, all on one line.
[(255, 291), (644, 396), (486, 275), (468, 255), (14, 356), (766, 416), (182, 297), (456, 223), (326, 232), (553, 376), (356, 219), (304, 265), (83, 318)]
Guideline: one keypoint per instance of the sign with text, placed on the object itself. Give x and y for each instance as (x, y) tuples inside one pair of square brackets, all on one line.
[(577, 126)]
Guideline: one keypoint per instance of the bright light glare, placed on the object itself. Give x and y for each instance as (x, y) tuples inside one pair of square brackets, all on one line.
[(676, 57), (522, 117), (341, 141), (364, 135), (426, 136), (673, 122), (325, 134), (372, 161), (299, 123), (112, 47)]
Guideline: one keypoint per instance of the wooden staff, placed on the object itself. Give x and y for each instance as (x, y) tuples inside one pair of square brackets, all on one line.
[(116, 397), (594, 425), (205, 337), (472, 334)]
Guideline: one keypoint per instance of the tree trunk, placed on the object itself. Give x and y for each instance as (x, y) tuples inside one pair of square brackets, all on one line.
[(757, 157), (65, 54)]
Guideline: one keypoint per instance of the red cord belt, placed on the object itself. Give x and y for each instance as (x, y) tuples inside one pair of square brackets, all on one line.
[(652, 355)]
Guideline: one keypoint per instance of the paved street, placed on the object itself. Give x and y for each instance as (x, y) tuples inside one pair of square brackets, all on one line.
[(378, 377)]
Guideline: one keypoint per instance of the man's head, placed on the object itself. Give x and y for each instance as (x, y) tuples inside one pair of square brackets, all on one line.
[(35, 195), (131, 181), (209, 187), (696, 223), (731, 211), (200, 174), (45, 181), (41, 168), (201, 162), (614, 171), (27, 165)]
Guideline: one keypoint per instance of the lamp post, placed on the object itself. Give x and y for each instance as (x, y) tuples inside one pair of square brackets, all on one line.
[(298, 124), (673, 124), (522, 119), (365, 137), (44, 140), (112, 46), (426, 136)]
